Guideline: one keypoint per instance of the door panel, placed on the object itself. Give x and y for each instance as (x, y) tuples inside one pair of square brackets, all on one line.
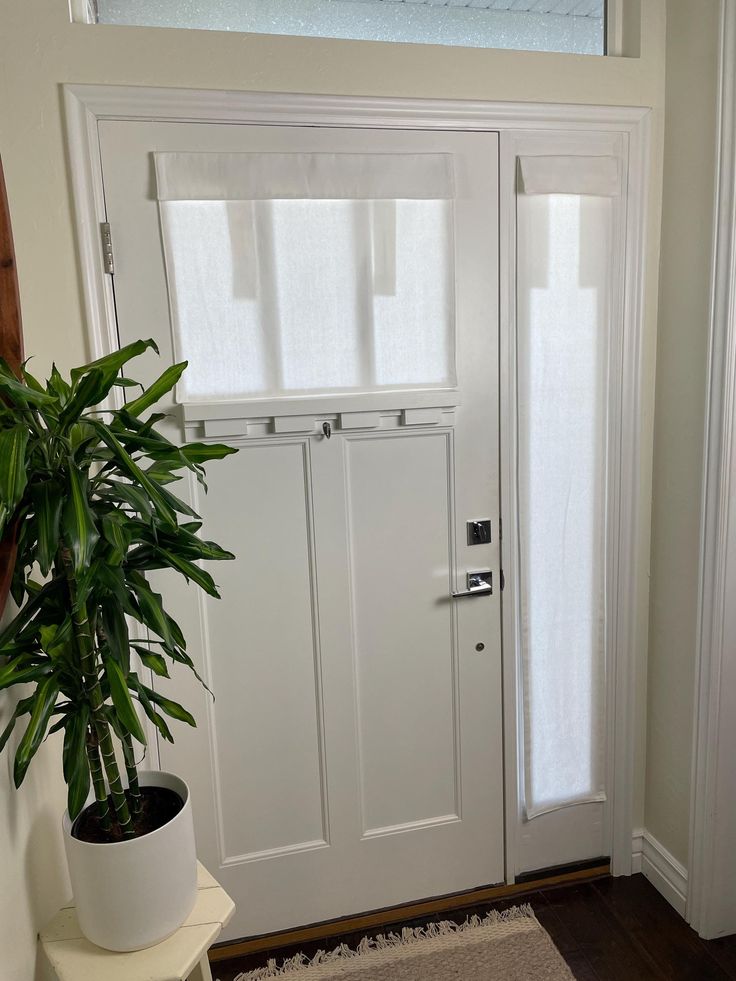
[(264, 666), (400, 527), (352, 758)]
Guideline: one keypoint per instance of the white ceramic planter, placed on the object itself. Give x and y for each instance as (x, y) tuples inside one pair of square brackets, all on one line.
[(133, 894)]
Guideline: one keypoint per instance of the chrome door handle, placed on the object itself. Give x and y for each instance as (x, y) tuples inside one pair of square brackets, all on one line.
[(478, 583)]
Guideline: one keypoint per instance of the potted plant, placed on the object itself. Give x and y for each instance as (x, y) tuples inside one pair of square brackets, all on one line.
[(86, 493)]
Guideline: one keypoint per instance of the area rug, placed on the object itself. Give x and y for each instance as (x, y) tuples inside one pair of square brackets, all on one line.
[(506, 946)]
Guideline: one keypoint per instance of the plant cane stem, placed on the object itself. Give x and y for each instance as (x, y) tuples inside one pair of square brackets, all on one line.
[(98, 779), (134, 790), (85, 646)]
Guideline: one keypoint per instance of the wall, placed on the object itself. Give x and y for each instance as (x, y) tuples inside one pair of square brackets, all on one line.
[(687, 230), (32, 864), (40, 50)]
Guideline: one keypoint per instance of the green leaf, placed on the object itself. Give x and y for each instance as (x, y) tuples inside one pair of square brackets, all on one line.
[(116, 360), (78, 525), (116, 531), (190, 571), (128, 494), (155, 662), (152, 608), (47, 500), (116, 631), (78, 790), (21, 672), (90, 391), (58, 641), (131, 468), (74, 758), (140, 691), (163, 384), (13, 473), (196, 548), (43, 706), (27, 612), (59, 386), (23, 707), (17, 392), (122, 701), (202, 452), (173, 709)]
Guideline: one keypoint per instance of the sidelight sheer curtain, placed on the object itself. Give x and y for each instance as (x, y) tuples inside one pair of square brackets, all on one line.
[(296, 273), (564, 230)]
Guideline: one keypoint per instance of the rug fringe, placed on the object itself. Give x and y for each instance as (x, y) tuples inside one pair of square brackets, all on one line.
[(387, 941)]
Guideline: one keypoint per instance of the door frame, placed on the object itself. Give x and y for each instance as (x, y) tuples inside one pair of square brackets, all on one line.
[(710, 908), (87, 105)]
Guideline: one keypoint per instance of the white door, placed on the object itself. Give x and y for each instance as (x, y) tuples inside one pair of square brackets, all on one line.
[(352, 757)]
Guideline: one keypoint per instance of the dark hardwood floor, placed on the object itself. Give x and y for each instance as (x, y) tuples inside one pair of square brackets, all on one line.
[(607, 930)]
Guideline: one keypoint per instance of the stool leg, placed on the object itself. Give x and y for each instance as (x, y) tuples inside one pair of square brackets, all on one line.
[(202, 971)]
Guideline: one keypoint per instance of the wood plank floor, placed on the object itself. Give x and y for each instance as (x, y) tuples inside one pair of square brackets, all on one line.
[(607, 930)]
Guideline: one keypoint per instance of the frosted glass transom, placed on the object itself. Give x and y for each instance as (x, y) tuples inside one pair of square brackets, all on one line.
[(575, 26)]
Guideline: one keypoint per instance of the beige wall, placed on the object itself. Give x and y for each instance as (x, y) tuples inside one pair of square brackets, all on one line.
[(33, 877), (690, 148), (40, 50)]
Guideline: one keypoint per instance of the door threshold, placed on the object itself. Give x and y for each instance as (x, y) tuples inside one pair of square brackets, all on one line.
[(406, 911)]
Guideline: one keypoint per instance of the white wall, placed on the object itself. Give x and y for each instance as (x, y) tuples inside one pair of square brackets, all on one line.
[(687, 231), (40, 50), (33, 875)]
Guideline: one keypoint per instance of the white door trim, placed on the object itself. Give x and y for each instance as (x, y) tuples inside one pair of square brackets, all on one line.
[(713, 787), (662, 869), (86, 105)]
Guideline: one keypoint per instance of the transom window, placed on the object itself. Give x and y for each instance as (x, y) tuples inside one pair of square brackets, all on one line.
[(575, 26)]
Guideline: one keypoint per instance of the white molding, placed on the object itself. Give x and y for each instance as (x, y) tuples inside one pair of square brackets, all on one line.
[(711, 911), (667, 875), (637, 844), (206, 105), (627, 513), (89, 210), (83, 11), (87, 105), (615, 28)]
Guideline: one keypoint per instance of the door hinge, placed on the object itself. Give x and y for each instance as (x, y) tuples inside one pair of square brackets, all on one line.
[(501, 580), (500, 529), (107, 256)]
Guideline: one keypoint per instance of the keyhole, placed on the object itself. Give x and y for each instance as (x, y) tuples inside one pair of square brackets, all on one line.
[(480, 647), (327, 429)]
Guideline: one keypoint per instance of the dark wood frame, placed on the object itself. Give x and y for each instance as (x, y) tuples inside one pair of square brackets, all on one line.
[(11, 349)]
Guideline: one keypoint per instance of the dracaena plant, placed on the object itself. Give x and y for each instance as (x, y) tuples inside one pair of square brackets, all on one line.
[(85, 492)]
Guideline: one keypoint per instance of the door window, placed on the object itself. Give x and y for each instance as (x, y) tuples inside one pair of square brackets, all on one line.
[(297, 273)]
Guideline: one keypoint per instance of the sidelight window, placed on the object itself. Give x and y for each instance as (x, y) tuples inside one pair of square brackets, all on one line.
[(565, 210)]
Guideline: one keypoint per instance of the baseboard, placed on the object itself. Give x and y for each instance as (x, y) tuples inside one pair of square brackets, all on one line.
[(666, 874)]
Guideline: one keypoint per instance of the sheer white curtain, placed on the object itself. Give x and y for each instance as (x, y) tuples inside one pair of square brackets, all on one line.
[(297, 273), (564, 228)]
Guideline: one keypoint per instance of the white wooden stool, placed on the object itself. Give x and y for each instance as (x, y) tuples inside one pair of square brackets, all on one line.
[(182, 955)]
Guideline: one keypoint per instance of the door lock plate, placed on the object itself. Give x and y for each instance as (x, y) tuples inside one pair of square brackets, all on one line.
[(479, 532)]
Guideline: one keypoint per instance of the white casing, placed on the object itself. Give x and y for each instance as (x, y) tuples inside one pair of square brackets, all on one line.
[(133, 894)]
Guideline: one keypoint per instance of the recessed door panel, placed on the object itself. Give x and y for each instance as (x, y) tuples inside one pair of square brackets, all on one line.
[(401, 528), (262, 645)]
